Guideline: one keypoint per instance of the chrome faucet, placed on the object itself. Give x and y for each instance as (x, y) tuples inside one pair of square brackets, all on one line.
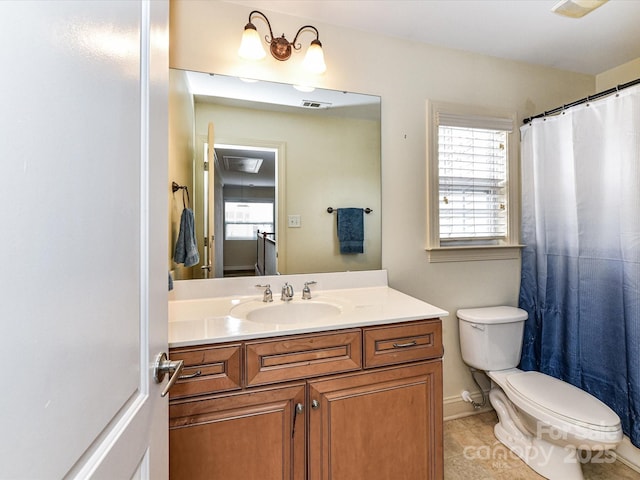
[(287, 292), (306, 291), (268, 294)]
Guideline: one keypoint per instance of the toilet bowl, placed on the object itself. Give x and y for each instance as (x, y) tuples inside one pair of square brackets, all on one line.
[(550, 424)]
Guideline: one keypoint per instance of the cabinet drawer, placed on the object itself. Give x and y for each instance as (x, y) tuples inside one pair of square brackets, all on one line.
[(406, 342), (211, 369), (302, 356)]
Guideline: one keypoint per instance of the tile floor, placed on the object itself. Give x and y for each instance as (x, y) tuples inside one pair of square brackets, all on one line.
[(472, 452)]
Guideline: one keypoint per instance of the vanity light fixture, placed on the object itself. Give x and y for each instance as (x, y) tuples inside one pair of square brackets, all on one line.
[(251, 46)]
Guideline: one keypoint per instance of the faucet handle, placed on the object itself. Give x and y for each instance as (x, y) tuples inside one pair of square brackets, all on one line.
[(268, 294), (306, 291)]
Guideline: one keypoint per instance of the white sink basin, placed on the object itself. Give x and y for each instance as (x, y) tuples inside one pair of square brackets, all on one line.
[(279, 313)]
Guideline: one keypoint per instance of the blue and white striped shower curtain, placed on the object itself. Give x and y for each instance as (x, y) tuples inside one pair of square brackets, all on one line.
[(581, 264)]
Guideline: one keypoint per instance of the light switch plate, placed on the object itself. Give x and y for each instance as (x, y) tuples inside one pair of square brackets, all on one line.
[(294, 221)]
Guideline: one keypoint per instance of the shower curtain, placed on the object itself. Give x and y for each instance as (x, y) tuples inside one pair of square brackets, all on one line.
[(581, 265)]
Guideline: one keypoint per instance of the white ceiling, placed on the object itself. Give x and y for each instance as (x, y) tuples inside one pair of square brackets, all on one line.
[(522, 30)]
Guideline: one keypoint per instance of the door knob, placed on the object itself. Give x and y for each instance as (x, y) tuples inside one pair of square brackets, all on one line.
[(165, 366)]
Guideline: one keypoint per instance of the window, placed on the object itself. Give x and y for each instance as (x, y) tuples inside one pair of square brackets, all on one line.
[(472, 182), (470, 202), (242, 220)]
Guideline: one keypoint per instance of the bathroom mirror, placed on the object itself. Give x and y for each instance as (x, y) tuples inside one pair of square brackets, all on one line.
[(294, 150)]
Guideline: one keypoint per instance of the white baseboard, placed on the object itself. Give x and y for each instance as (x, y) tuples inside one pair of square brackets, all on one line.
[(455, 407), (233, 268), (629, 454)]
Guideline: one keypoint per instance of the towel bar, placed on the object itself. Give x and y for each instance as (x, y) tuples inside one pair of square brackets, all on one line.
[(366, 210)]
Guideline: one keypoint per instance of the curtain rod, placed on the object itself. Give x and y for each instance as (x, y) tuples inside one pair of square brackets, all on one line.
[(584, 100)]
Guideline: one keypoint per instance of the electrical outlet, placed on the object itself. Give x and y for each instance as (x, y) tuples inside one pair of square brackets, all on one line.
[(294, 221)]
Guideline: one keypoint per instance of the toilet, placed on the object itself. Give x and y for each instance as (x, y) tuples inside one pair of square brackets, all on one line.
[(550, 424)]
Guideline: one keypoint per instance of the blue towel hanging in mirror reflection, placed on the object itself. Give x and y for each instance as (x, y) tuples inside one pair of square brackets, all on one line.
[(186, 249), (351, 230)]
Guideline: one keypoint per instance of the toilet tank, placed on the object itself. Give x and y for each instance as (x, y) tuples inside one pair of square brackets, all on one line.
[(491, 337)]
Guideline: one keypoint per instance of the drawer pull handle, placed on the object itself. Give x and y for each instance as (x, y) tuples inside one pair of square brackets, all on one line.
[(413, 343), (193, 375)]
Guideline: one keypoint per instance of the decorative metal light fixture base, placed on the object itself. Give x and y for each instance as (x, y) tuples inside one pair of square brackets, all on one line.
[(280, 48)]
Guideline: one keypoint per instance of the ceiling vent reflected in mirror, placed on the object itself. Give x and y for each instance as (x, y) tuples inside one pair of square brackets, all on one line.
[(242, 164), (262, 95), (315, 104)]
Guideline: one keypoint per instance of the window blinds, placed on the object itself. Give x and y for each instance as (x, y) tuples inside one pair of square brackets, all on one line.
[(242, 220), (475, 121), (472, 160)]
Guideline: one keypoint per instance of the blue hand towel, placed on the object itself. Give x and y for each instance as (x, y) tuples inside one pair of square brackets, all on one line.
[(351, 230), (186, 250)]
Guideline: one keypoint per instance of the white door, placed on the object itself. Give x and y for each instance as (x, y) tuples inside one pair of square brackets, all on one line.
[(83, 288)]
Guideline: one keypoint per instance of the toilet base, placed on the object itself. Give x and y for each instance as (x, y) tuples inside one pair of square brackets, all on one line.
[(551, 461)]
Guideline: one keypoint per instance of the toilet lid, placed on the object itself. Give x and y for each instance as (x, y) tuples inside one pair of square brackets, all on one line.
[(489, 315), (563, 399)]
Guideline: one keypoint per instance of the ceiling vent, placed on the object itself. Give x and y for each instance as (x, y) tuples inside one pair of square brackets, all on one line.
[(242, 164), (315, 104), (576, 8)]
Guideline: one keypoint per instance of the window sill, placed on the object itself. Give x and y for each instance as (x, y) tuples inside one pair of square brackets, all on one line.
[(471, 253)]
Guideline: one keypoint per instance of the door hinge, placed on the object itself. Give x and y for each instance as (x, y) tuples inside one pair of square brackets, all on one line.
[(206, 241), (206, 166)]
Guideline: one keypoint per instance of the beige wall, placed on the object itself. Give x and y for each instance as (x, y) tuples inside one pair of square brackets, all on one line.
[(329, 161), (205, 36), (616, 76), (181, 151)]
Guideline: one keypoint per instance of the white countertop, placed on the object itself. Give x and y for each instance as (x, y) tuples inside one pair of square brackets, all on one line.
[(196, 321)]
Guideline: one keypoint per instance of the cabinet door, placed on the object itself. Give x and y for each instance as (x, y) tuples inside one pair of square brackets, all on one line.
[(250, 435), (377, 425)]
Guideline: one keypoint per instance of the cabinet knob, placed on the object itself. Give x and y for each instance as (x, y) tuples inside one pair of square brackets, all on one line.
[(315, 404)]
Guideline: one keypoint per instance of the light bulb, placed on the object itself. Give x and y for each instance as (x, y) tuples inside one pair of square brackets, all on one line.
[(251, 46), (314, 59)]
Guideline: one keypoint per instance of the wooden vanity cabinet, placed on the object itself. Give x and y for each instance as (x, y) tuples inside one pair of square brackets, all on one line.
[(363, 403)]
